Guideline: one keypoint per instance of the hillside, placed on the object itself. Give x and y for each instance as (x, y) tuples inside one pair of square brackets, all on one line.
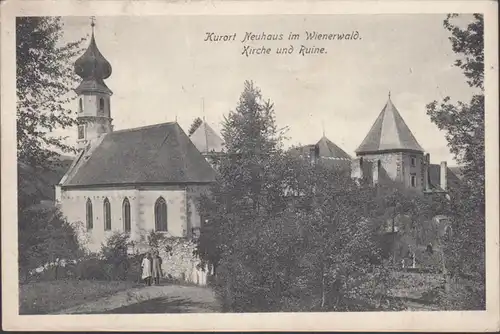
[(35, 185)]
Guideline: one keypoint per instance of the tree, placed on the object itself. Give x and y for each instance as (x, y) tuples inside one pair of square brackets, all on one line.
[(45, 237), (282, 234), (247, 175), (43, 83), (464, 126), (195, 125)]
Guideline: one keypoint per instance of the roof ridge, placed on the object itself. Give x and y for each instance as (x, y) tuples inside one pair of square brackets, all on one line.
[(143, 127)]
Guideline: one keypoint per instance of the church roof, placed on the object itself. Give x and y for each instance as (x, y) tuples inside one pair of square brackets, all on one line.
[(206, 139), (389, 133), (157, 154), (327, 149)]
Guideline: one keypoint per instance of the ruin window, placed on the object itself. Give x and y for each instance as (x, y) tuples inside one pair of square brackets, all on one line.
[(126, 215), (161, 215), (107, 215), (413, 180), (89, 214), (413, 161), (81, 131), (80, 105), (101, 104)]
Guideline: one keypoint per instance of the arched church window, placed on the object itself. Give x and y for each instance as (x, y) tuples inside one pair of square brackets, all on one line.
[(107, 215), (161, 215), (101, 104), (126, 215), (89, 214), (80, 105)]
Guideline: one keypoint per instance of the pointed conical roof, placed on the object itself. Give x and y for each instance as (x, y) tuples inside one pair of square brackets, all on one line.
[(206, 139), (389, 133), (328, 149)]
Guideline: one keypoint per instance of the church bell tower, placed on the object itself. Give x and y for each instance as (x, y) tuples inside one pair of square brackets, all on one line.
[(94, 109)]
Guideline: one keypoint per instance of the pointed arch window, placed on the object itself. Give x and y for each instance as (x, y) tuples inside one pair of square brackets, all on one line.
[(126, 215), (80, 105), (89, 214), (107, 214), (101, 104), (161, 215)]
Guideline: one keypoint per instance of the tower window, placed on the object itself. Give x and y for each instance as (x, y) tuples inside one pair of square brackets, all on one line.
[(413, 180), (126, 215), (81, 131), (89, 214), (80, 105), (101, 104), (161, 215), (107, 215), (413, 161)]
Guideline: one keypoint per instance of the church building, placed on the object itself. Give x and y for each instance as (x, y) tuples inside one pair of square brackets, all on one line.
[(133, 180)]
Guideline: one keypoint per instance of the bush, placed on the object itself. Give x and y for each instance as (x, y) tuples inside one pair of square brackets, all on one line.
[(116, 262), (92, 268)]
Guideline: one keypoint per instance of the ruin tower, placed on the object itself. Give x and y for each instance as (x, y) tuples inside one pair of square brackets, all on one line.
[(392, 151)]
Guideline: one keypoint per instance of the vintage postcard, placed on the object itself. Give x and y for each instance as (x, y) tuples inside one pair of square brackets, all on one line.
[(293, 166)]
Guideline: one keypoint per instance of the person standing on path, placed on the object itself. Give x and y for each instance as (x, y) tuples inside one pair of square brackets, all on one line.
[(146, 268), (157, 268)]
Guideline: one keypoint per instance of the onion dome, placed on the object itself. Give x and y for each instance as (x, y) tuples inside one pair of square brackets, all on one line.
[(92, 64), (93, 68)]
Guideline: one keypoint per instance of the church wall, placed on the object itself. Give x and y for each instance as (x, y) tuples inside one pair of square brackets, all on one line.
[(176, 210), (73, 205), (182, 217), (194, 194)]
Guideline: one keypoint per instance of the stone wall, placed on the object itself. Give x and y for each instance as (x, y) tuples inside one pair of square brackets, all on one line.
[(180, 262)]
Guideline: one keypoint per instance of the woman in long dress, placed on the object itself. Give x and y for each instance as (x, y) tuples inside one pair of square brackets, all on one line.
[(157, 268), (146, 269)]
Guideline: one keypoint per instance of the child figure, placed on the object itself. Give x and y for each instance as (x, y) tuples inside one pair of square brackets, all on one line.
[(146, 268)]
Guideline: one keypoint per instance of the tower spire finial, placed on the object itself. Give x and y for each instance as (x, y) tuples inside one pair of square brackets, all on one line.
[(389, 94), (92, 23), (203, 107), (323, 127)]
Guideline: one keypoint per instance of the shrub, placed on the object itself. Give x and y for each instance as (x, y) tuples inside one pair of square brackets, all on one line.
[(116, 261), (91, 268)]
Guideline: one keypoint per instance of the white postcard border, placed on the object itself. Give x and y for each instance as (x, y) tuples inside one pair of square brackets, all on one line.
[(367, 321)]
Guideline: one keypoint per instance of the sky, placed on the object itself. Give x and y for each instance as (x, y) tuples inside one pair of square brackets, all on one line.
[(163, 68)]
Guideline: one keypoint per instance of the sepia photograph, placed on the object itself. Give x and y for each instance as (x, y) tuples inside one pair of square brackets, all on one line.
[(249, 164)]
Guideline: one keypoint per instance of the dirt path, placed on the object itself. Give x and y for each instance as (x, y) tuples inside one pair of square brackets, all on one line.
[(152, 299)]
